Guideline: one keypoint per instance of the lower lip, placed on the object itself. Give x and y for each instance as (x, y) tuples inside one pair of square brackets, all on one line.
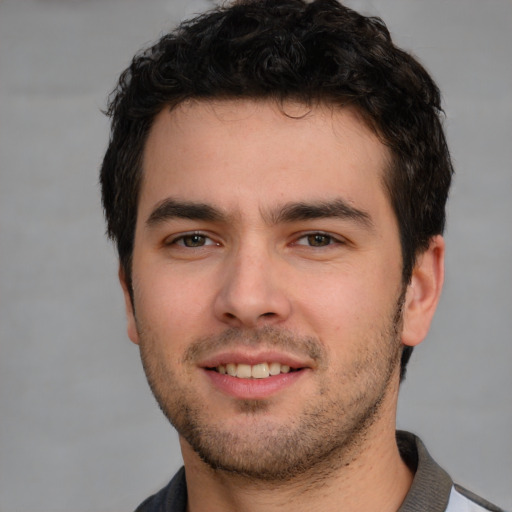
[(253, 389)]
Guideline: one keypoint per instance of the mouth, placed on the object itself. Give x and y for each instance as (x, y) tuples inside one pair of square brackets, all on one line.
[(262, 370), (254, 381), (245, 375)]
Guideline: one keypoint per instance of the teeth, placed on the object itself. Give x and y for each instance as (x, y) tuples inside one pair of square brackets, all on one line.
[(243, 371), (260, 371), (257, 371), (275, 368)]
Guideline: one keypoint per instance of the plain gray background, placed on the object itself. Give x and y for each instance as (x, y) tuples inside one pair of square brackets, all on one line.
[(80, 432)]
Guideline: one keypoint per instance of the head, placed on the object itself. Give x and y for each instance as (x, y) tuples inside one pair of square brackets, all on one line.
[(316, 53)]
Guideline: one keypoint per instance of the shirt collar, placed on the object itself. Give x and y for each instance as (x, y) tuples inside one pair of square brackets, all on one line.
[(431, 486)]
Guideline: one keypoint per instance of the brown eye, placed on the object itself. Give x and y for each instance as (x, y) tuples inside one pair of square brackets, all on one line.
[(193, 240), (319, 240)]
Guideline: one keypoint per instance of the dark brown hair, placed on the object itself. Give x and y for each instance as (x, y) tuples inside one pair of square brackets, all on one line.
[(316, 51)]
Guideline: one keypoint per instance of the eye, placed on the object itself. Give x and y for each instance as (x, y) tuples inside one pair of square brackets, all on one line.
[(192, 240), (317, 240)]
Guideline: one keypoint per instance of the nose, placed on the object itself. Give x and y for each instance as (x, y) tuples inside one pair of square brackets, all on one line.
[(252, 291)]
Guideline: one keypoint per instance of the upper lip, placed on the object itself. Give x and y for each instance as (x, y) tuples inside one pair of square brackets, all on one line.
[(251, 358)]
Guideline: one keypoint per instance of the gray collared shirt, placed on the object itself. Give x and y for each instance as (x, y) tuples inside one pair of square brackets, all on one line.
[(432, 489)]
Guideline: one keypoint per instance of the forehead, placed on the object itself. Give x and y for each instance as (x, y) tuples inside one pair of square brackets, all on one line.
[(239, 153)]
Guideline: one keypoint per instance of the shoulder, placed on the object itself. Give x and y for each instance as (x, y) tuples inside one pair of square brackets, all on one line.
[(462, 500), (172, 498), (432, 488)]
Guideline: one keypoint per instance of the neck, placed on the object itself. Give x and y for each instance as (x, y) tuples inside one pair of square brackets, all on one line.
[(372, 477)]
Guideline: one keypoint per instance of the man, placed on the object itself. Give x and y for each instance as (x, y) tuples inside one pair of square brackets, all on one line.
[(275, 183)]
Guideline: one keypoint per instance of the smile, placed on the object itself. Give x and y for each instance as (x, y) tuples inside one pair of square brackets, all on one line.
[(255, 371), (254, 376)]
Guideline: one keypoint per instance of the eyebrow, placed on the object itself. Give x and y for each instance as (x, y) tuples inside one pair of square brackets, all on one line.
[(291, 212), (337, 208), (172, 209)]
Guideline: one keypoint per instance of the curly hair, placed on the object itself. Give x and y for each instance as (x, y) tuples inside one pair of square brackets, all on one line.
[(314, 52)]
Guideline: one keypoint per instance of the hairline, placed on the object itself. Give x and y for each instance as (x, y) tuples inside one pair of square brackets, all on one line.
[(279, 100)]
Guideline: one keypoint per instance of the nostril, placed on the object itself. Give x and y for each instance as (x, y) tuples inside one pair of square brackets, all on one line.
[(268, 314)]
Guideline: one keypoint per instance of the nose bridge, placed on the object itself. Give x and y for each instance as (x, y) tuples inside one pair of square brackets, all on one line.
[(251, 291)]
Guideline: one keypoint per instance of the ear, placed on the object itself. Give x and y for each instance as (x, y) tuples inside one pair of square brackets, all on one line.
[(423, 293), (130, 313)]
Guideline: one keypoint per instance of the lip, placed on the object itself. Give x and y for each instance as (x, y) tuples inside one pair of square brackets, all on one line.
[(240, 357), (253, 389)]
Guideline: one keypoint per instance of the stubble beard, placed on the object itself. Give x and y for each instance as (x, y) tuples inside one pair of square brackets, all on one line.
[(329, 432)]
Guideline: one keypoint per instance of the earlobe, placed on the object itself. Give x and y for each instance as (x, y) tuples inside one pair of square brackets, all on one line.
[(423, 292), (131, 326)]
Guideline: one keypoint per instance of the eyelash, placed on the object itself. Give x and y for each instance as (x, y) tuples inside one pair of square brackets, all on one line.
[(181, 240), (331, 239)]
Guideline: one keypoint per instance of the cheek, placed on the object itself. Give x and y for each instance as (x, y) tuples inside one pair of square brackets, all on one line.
[(345, 304), (171, 304)]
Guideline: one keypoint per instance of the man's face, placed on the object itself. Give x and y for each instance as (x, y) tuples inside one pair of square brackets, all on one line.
[(266, 247)]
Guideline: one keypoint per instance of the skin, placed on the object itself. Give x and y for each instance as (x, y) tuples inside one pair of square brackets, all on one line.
[(227, 266)]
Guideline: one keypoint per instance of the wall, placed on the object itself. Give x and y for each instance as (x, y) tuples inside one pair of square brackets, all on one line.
[(79, 429)]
